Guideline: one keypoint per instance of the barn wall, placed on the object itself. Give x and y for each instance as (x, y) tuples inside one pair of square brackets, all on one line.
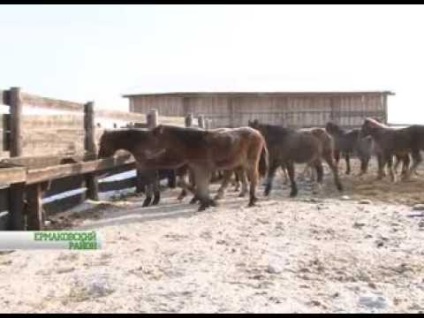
[(293, 110)]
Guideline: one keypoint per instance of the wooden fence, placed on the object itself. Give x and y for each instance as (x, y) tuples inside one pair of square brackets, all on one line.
[(46, 155)]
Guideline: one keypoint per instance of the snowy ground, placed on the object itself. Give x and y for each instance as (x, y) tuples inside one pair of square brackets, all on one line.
[(360, 251)]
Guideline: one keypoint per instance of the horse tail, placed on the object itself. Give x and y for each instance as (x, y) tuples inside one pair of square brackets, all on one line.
[(263, 161)]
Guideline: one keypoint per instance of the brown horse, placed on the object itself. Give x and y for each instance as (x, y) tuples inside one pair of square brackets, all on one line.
[(288, 146), (394, 141), (216, 149)]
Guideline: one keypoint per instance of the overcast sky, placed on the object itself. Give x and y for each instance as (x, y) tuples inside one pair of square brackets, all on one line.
[(83, 52)]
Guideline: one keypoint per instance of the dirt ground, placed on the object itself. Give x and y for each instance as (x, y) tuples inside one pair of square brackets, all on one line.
[(357, 251)]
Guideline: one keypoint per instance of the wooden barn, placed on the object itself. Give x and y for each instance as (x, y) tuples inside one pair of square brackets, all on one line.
[(292, 109)]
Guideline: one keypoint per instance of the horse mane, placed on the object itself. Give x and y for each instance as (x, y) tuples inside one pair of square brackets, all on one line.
[(192, 135), (334, 128), (125, 135), (375, 123)]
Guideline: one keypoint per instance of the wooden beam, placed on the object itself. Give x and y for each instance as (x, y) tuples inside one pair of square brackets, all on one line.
[(66, 170), (12, 175), (117, 115), (50, 103), (34, 162)]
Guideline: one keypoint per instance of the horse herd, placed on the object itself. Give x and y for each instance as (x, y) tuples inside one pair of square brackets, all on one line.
[(257, 151)]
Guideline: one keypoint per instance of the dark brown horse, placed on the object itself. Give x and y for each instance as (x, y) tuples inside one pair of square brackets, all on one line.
[(137, 142), (348, 143), (394, 141), (287, 146), (217, 149)]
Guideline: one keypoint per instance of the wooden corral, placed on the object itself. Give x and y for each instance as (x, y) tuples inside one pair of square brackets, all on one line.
[(45, 155), (295, 109)]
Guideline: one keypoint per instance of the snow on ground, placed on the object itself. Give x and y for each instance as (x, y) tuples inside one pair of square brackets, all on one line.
[(360, 251)]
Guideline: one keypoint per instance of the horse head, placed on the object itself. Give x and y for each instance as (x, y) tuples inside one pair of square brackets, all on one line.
[(107, 147), (369, 126), (333, 128), (253, 123)]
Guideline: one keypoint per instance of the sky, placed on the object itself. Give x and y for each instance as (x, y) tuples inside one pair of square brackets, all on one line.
[(100, 52)]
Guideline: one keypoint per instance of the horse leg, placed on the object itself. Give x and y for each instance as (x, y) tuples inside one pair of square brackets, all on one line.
[(253, 176), (347, 159), (148, 188), (397, 163), (226, 180), (192, 186), (405, 165), (140, 181), (364, 164), (416, 160), (329, 160), (244, 183), (290, 171), (270, 177), (320, 173), (313, 176), (285, 176), (156, 189), (202, 179), (337, 157), (381, 163), (389, 160), (182, 183)]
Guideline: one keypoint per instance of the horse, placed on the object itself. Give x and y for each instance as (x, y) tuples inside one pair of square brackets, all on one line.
[(205, 151), (347, 143), (394, 141), (288, 146), (137, 142)]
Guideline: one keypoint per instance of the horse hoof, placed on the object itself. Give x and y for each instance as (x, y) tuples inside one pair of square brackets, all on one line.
[(201, 208), (293, 194), (193, 201), (146, 203), (155, 202), (252, 202)]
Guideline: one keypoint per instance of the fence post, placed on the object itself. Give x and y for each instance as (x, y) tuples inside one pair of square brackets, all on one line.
[(16, 191), (201, 121), (34, 208), (189, 120), (15, 103), (90, 147), (152, 119)]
